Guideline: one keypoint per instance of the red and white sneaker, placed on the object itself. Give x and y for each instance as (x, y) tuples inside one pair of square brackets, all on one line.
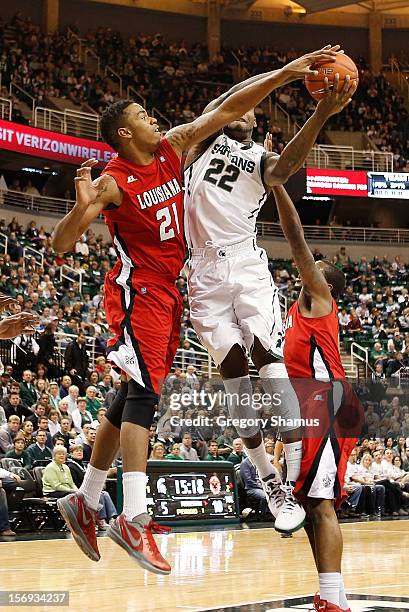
[(81, 521), (136, 538), (321, 605)]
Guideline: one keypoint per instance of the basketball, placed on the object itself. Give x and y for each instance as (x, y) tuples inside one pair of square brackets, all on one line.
[(343, 65)]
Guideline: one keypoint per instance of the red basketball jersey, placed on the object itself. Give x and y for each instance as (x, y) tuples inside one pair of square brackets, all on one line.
[(147, 227), (311, 347)]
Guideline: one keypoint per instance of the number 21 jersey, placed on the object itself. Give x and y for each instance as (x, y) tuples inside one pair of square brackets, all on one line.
[(224, 192), (147, 228)]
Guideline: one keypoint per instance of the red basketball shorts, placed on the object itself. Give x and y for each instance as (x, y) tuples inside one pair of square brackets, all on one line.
[(334, 418), (144, 319)]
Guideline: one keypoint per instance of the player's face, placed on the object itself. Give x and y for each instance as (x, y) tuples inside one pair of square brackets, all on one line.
[(140, 128), (242, 128)]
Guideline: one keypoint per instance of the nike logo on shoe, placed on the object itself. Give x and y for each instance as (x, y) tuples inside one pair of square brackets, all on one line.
[(130, 534)]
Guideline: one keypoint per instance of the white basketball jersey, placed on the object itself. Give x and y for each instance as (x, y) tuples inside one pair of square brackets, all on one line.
[(224, 192)]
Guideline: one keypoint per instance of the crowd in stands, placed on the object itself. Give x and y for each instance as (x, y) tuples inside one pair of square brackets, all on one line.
[(179, 80)]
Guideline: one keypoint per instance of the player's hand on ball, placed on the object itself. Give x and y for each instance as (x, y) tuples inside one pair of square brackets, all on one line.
[(86, 192), (301, 67), (337, 98)]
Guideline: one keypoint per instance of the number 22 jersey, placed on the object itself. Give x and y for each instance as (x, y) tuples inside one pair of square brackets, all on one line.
[(224, 192), (147, 227)]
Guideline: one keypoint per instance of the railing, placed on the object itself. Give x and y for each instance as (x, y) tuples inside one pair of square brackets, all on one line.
[(348, 158), (3, 241), (115, 77), (162, 119), (62, 340), (402, 80), (36, 204), (20, 93), (75, 123), (29, 253), (322, 233), (88, 63), (6, 109), (292, 126), (132, 93), (71, 275), (361, 354)]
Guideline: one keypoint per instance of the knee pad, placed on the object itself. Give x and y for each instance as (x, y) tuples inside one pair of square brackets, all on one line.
[(140, 405), (114, 412)]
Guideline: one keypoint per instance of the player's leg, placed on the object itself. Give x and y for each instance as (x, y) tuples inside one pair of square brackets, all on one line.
[(258, 311), (327, 547), (80, 509), (275, 381), (150, 331), (236, 379)]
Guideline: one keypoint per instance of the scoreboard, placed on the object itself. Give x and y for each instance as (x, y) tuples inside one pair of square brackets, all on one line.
[(190, 491), (388, 185)]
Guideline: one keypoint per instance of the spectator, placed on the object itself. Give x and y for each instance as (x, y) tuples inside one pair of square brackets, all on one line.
[(174, 453), (253, 487), (77, 468), (27, 390), (57, 479), (43, 426), (13, 405), (225, 442), (39, 451), (186, 451), (88, 443), (19, 452), (54, 422), (72, 398), (92, 403), (8, 433), (39, 412), (76, 358), (27, 433), (54, 397), (158, 452), (213, 447), (237, 455), (65, 385)]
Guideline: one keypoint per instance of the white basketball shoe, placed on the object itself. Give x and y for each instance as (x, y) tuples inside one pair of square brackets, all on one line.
[(291, 515)]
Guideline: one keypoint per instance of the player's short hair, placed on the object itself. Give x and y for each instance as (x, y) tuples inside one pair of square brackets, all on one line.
[(111, 120), (335, 277)]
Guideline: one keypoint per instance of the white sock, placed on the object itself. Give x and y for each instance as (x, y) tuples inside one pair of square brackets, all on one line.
[(261, 460), (293, 456), (92, 486), (343, 602), (329, 587), (134, 484)]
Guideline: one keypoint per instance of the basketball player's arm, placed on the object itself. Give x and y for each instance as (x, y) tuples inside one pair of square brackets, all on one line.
[(182, 137), (278, 171), (291, 72), (311, 277), (92, 197)]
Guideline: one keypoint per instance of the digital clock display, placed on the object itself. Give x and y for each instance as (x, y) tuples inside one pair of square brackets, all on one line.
[(179, 491)]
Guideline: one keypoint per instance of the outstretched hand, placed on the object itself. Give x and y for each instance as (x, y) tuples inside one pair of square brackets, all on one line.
[(303, 66), (15, 325)]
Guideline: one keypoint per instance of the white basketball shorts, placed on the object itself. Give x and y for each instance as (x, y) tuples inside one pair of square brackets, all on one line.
[(233, 299)]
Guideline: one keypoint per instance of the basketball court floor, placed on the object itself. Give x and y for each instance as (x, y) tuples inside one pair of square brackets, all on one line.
[(226, 570)]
